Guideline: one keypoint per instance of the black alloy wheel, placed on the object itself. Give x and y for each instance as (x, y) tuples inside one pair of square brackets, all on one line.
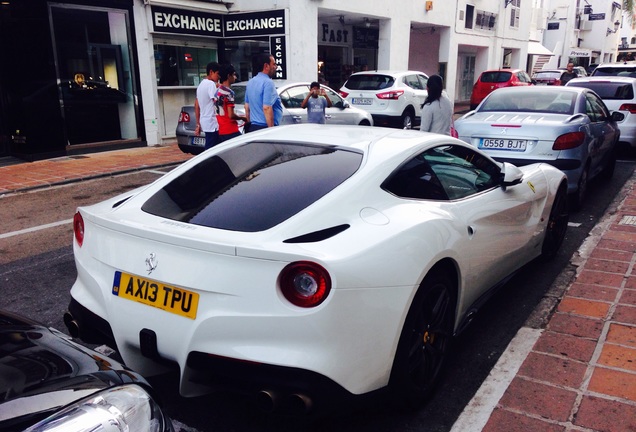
[(407, 119), (425, 340), (557, 224), (581, 191)]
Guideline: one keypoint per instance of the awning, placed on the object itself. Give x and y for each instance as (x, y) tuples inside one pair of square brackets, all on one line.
[(535, 48)]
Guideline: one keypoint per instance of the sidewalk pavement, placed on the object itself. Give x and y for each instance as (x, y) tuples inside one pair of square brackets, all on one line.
[(575, 372)]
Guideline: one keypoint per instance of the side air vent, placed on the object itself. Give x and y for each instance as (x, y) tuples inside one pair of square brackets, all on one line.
[(118, 203), (317, 236)]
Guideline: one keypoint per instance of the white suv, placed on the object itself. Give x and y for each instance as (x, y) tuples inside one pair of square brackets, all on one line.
[(615, 69), (619, 94), (393, 98)]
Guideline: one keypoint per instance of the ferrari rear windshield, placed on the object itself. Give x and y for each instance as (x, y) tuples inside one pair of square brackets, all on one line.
[(253, 187)]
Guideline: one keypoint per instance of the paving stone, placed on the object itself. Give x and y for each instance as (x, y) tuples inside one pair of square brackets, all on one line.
[(613, 383), (575, 325), (600, 278), (618, 356), (610, 254), (540, 399), (605, 415), (589, 308), (576, 348), (607, 265), (622, 335), (556, 370), (593, 292), (628, 297), (617, 245), (502, 420), (625, 314)]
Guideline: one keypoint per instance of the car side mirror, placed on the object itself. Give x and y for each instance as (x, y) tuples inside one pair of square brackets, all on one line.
[(618, 116), (511, 175), (345, 104)]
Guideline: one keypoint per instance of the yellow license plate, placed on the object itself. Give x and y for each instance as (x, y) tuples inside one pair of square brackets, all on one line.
[(152, 293)]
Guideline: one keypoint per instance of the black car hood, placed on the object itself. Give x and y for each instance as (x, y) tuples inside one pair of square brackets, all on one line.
[(42, 370)]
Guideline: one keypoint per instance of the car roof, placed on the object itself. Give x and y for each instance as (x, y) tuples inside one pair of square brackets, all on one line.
[(390, 72), (503, 70), (605, 78), (618, 64), (541, 89)]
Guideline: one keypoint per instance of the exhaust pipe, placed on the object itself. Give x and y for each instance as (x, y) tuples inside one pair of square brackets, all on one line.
[(267, 400), (71, 325), (299, 403)]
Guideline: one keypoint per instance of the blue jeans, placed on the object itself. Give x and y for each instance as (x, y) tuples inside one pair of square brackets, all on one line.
[(211, 139)]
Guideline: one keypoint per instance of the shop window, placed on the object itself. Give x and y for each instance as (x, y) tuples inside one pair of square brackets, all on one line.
[(181, 65), (95, 72)]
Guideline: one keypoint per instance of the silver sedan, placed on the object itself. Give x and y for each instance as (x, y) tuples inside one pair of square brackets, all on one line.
[(567, 127)]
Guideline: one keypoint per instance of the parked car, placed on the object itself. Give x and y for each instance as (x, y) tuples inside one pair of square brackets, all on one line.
[(550, 77), (310, 263), (493, 79), (394, 98), (590, 68), (568, 127), (49, 382), (615, 69), (619, 94), (291, 94)]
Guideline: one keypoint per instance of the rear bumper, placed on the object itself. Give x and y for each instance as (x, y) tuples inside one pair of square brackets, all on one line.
[(286, 387)]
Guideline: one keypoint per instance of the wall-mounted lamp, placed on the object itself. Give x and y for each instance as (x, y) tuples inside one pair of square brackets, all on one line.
[(616, 26), (341, 19), (367, 23)]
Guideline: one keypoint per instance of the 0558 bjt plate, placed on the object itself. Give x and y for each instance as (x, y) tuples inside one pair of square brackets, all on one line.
[(503, 144), (152, 293)]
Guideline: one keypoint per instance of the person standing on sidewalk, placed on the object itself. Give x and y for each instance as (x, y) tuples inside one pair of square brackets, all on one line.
[(263, 107), (568, 74), (315, 104), (204, 107), (227, 118), (437, 109)]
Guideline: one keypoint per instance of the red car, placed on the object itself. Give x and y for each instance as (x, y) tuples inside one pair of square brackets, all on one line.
[(493, 79)]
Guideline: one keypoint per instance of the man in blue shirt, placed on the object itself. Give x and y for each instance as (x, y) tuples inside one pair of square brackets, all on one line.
[(263, 107)]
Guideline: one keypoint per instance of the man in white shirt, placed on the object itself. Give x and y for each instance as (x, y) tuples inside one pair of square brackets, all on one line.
[(204, 107)]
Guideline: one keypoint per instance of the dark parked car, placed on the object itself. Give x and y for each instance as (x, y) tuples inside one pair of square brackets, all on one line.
[(48, 382)]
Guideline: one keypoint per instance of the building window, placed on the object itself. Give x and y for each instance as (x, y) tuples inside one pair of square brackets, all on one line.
[(181, 65), (485, 20), (515, 10), (470, 12)]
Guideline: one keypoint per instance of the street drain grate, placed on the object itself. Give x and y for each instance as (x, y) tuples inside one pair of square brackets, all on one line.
[(628, 220)]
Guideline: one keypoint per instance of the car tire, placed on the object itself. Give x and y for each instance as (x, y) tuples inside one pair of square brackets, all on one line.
[(364, 123), (407, 118), (425, 340), (557, 224), (610, 165), (581, 191)]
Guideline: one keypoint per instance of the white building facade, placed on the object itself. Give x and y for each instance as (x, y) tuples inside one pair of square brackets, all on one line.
[(327, 40), (582, 31)]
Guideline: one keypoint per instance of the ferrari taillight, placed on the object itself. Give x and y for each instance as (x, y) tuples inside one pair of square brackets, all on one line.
[(305, 284), (628, 107), (78, 228), (569, 141), (184, 117), (390, 95)]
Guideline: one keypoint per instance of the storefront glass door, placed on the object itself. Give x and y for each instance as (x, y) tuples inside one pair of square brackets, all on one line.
[(95, 74)]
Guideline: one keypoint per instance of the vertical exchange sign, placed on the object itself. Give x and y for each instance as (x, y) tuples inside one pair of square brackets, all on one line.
[(277, 48)]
